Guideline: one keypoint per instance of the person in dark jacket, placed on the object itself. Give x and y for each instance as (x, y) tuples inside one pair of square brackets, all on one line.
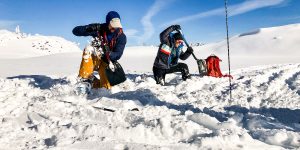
[(170, 50), (115, 40)]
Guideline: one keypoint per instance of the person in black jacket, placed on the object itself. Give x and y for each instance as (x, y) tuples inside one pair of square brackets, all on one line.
[(170, 50), (113, 37)]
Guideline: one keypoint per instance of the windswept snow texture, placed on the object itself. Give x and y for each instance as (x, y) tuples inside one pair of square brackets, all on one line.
[(39, 110)]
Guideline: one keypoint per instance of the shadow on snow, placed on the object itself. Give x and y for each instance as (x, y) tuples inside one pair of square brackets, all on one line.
[(41, 81), (273, 118)]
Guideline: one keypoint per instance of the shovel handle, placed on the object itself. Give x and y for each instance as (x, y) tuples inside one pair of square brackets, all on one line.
[(194, 56), (187, 44)]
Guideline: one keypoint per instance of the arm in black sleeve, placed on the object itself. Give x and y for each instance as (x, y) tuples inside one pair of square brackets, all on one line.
[(87, 30), (118, 50), (80, 31), (185, 55), (164, 36)]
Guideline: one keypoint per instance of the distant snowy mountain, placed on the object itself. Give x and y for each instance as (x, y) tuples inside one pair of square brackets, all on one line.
[(21, 45), (281, 40), (265, 46)]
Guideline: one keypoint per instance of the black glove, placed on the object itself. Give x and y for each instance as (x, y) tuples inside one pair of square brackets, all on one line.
[(189, 50), (92, 27), (176, 27)]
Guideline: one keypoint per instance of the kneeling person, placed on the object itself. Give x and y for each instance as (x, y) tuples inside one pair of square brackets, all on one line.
[(170, 50), (113, 37)]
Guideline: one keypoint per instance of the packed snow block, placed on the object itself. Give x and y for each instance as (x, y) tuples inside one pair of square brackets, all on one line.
[(205, 120), (36, 118), (25, 122), (112, 105), (30, 120), (65, 122)]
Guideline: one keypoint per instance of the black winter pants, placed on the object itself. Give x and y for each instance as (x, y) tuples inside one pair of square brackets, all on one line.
[(160, 74)]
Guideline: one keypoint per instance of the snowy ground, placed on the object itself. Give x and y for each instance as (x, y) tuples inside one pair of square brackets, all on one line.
[(39, 110)]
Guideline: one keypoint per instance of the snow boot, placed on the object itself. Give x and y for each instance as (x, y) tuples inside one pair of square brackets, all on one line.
[(83, 87)]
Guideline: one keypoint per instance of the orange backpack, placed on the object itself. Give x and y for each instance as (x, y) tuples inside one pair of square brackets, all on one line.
[(213, 67)]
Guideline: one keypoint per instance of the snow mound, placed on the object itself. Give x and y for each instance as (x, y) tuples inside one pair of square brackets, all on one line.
[(21, 45), (41, 111), (272, 41), (274, 45)]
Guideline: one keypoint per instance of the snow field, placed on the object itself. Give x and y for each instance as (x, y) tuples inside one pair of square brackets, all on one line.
[(41, 111)]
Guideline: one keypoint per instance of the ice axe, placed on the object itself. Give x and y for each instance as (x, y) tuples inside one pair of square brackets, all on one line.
[(201, 63)]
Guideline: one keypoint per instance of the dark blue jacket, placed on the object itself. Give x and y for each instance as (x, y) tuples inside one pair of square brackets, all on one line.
[(164, 59), (115, 52)]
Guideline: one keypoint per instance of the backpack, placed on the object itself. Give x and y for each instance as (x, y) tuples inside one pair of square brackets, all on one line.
[(213, 67)]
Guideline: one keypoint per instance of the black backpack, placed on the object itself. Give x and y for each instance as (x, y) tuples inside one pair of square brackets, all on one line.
[(115, 74)]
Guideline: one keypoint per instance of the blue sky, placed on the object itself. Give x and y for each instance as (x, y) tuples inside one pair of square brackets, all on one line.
[(143, 20)]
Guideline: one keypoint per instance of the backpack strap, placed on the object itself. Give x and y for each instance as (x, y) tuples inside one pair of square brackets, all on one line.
[(113, 41), (227, 75)]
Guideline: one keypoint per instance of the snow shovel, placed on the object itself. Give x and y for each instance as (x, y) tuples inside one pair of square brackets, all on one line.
[(201, 63)]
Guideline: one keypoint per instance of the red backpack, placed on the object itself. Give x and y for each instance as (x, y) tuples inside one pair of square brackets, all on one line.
[(213, 67)]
